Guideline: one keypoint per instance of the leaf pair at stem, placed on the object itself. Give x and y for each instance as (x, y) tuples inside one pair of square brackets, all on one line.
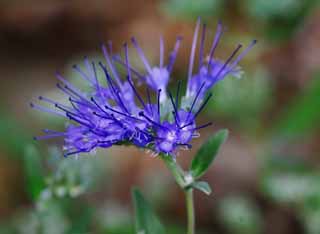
[(146, 222)]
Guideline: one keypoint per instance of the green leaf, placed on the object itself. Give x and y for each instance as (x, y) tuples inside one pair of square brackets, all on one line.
[(207, 153), (146, 222), (202, 186), (33, 171), (302, 116)]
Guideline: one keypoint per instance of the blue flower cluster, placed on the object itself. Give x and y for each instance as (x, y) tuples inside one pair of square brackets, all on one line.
[(114, 113)]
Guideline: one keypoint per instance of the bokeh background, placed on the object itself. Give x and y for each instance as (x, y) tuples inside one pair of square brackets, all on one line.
[(267, 176)]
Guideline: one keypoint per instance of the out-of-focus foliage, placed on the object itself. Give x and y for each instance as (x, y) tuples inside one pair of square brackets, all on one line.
[(240, 215), (310, 213), (242, 100), (190, 9), (57, 208), (145, 219), (33, 171), (113, 218), (63, 217), (13, 138), (301, 117), (293, 183), (280, 18), (72, 176), (266, 10), (156, 185)]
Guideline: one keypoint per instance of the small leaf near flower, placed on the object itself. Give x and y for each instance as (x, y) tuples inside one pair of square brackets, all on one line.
[(202, 186), (207, 153)]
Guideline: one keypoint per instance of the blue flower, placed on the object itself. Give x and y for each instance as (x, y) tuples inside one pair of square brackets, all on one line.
[(212, 70), (113, 112)]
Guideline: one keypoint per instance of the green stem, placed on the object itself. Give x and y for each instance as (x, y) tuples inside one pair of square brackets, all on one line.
[(190, 211), (175, 169), (179, 176)]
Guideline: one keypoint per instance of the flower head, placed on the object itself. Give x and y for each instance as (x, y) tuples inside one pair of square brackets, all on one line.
[(211, 70), (113, 112)]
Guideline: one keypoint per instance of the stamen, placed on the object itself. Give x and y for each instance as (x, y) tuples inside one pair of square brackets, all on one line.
[(202, 126), (243, 54), (136, 93), (75, 93), (47, 110), (199, 110), (111, 66), (38, 138), (153, 122), (88, 67), (141, 54), (203, 36), (129, 77), (215, 42), (82, 74), (176, 118), (73, 103), (86, 103), (99, 107), (109, 80), (41, 98), (195, 100), (69, 112), (115, 92), (101, 116), (95, 75), (161, 51), (122, 104), (178, 93), (69, 85), (124, 114), (126, 55), (77, 152), (67, 92), (149, 101), (228, 60), (50, 131), (193, 49), (203, 105), (176, 115), (173, 54), (143, 131), (135, 72), (78, 120), (159, 91)]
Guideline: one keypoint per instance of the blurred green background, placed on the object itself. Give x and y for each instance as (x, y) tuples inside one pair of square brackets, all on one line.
[(267, 177)]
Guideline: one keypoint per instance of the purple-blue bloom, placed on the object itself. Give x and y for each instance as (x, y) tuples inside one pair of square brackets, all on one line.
[(113, 112), (211, 70)]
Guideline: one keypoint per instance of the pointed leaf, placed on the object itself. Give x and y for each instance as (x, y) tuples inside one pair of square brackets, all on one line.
[(146, 222), (202, 186), (207, 153)]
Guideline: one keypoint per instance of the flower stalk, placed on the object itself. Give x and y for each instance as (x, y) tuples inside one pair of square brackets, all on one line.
[(184, 183), (190, 211)]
